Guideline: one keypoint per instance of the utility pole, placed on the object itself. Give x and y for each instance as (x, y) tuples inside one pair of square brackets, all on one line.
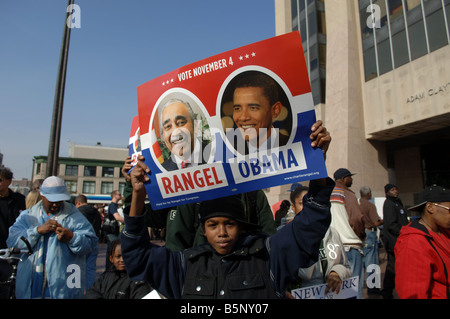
[(55, 132)]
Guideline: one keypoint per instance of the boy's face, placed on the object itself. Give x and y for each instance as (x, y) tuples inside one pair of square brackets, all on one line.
[(116, 259), (222, 233)]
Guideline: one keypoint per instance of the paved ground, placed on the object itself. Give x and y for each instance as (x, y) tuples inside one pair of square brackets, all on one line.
[(101, 261)]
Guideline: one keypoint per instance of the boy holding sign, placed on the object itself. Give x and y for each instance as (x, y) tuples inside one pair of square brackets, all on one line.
[(236, 261)]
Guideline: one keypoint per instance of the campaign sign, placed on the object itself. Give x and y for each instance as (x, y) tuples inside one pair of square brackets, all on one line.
[(349, 290), (232, 123)]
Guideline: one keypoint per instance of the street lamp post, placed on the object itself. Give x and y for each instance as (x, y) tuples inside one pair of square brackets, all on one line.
[(55, 132)]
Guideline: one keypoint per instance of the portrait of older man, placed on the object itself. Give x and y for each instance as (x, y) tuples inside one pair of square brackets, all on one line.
[(178, 128)]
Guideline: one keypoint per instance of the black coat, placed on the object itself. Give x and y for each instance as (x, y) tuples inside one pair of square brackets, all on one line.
[(10, 208), (93, 216), (394, 218), (113, 284), (240, 275)]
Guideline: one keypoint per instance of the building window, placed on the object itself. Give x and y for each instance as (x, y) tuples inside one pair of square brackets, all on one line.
[(417, 38), (88, 187), (435, 26), (400, 47), (108, 171), (107, 187), (370, 64), (384, 56), (407, 30), (308, 17), (71, 170), (90, 171), (121, 187), (411, 4), (447, 14), (72, 186)]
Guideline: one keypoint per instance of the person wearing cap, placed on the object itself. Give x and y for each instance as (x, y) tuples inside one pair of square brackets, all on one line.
[(64, 244), (348, 221), (422, 251), (237, 261), (394, 218), (181, 225)]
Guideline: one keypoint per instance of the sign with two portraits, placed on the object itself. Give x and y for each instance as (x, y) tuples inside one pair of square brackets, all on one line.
[(232, 123)]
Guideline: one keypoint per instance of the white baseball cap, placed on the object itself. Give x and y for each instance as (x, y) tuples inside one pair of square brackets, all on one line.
[(54, 189)]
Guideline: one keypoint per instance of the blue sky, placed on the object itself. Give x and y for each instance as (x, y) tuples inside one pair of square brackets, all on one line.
[(120, 45)]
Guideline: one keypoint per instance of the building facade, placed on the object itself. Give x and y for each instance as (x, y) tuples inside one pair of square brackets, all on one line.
[(94, 171), (380, 79)]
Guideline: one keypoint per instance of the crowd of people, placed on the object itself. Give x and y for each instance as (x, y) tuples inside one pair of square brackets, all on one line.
[(230, 247)]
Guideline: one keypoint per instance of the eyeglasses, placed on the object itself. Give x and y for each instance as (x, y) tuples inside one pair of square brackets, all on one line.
[(438, 205)]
